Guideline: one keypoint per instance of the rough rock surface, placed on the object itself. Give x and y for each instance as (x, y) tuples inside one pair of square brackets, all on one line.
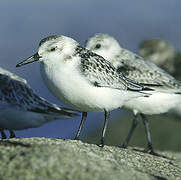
[(41, 158)]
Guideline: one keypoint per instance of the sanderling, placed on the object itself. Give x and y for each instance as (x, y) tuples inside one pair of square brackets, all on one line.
[(167, 89), (82, 79), (22, 108)]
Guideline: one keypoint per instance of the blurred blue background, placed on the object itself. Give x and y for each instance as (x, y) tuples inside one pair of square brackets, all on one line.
[(24, 23)]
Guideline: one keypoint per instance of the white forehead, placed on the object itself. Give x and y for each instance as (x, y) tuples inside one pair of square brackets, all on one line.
[(59, 41), (103, 39)]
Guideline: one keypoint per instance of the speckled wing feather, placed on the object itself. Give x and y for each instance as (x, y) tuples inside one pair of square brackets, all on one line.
[(145, 72), (101, 73), (15, 91)]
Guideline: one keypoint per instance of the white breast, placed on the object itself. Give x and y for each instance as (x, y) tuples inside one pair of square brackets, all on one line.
[(72, 89)]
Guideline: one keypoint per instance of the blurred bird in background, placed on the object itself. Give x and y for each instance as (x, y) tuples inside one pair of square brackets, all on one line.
[(22, 108)]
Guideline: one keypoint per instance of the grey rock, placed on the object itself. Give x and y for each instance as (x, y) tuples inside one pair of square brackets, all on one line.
[(57, 159)]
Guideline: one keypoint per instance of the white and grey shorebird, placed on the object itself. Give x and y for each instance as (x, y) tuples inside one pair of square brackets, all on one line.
[(167, 89), (82, 79), (22, 108)]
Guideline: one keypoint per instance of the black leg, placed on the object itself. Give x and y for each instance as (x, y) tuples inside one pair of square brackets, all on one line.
[(149, 148), (133, 126), (12, 134), (84, 116), (3, 135), (107, 114), (147, 129)]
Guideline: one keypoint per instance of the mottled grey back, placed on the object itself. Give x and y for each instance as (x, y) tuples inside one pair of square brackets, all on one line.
[(142, 71)]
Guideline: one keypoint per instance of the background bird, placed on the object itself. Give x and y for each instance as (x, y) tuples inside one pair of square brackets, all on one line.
[(22, 108), (167, 89)]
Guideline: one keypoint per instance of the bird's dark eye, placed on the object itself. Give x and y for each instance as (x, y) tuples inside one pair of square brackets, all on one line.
[(53, 49), (98, 46)]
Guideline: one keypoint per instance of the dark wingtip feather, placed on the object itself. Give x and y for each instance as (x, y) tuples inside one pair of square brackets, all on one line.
[(143, 89), (177, 93), (147, 89), (151, 85), (72, 114)]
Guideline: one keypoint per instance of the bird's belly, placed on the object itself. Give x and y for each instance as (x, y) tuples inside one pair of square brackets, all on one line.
[(14, 119), (157, 103), (78, 93), (86, 98)]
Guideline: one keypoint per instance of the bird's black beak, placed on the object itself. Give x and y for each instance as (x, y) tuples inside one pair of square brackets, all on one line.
[(31, 59)]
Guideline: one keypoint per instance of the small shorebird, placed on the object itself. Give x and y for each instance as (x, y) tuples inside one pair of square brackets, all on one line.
[(82, 79)]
